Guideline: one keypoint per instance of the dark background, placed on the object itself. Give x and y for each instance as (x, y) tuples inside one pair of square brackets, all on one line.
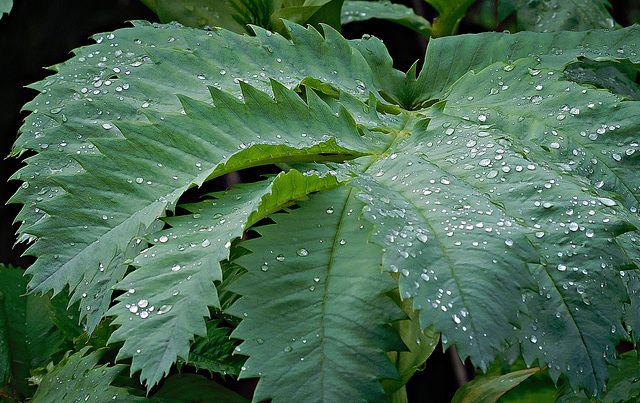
[(37, 34)]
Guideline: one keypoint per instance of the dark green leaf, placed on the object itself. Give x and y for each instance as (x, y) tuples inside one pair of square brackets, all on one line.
[(313, 309), (558, 15), (193, 388), (213, 352), (30, 332), (615, 77)]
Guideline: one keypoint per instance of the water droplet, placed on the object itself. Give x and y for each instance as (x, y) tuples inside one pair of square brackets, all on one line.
[(302, 252), (422, 237), (508, 242), (265, 267), (342, 242), (164, 309), (280, 258), (561, 267), (206, 243), (143, 303), (456, 319), (139, 180), (144, 314), (533, 339), (133, 308), (176, 267), (444, 180), (288, 349), (163, 239), (107, 126), (330, 210), (589, 233)]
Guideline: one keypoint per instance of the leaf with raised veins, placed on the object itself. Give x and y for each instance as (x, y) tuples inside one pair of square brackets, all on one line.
[(313, 308)]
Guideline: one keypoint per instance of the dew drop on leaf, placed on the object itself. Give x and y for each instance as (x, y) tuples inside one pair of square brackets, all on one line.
[(280, 258), (164, 309), (163, 239), (302, 252), (508, 242)]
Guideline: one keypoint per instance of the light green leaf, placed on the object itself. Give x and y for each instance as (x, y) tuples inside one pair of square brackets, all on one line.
[(193, 388), (489, 389), (30, 333), (355, 10), (448, 59), (555, 15), (502, 192), (450, 13), (420, 345), (168, 295), (313, 309), (5, 7), (131, 82), (79, 378)]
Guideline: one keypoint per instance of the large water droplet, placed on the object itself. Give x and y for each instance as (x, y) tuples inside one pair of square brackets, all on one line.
[(302, 252)]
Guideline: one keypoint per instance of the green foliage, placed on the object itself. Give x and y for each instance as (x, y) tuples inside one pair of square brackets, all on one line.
[(28, 336), (236, 15), (354, 11), (490, 388), (489, 202), (5, 7), (555, 15)]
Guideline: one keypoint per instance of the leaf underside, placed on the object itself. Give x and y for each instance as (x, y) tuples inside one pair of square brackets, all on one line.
[(499, 195)]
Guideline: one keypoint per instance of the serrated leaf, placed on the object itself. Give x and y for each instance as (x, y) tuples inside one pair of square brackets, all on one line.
[(79, 378), (489, 389), (448, 59), (354, 11), (170, 292), (142, 75), (314, 316), (214, 352), (542, 256), (554, 15)]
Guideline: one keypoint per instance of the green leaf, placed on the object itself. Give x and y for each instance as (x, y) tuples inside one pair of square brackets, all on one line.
[(313, 309), (199, 13), (501, 192), (79, 378), (354, 11), (555, 15), (5, 7), (168, 295), (193, 389), (448, 59), (616, 77), (30, 333), (420, 345), (503, 198), (79, 257), (214, 351), (5, 356), (490, 388), (622, 385), (450, 13)]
